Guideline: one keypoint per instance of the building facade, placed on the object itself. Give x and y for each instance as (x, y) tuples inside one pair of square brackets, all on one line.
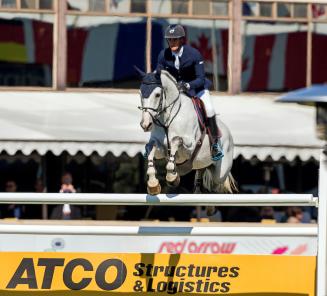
[(248, 46)]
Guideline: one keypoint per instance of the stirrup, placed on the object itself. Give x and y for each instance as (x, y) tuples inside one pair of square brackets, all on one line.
[(216, 152)]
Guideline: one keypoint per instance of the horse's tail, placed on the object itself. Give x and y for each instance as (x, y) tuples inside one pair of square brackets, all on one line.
[(228, 186)]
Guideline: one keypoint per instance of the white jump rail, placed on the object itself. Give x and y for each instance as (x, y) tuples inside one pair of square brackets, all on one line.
[(161, 199), (286, 231), (184, 200)]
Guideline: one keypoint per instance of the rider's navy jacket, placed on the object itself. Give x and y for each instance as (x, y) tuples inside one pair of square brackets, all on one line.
[(191, 68)]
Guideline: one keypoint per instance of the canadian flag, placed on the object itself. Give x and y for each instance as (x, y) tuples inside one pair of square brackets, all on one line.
[(274, 62), (204, 39), (277, 62)]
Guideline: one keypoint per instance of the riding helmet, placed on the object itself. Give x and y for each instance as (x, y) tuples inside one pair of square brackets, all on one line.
[(174, 31)]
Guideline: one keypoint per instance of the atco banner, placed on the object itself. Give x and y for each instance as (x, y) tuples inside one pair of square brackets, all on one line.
[(155, 274)]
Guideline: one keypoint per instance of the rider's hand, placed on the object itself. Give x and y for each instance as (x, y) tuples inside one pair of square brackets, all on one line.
[(67, 188), (183, 86)]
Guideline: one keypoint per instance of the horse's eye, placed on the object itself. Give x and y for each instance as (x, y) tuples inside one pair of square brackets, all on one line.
[(157, 95)]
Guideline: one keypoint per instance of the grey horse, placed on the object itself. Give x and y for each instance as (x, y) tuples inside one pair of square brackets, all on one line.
[(175, 133)]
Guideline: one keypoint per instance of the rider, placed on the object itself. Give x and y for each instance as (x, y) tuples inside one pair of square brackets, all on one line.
[(185, 63)]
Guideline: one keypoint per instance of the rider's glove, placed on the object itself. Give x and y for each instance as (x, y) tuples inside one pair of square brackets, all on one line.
[(183, 86)]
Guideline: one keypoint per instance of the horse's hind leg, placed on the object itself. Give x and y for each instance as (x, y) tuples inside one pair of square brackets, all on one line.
[(154, 187), (198, 181), (172, 176)]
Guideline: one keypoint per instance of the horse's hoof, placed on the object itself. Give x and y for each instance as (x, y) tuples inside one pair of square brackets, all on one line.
[(154, 189), (173, 181), (211, 210)]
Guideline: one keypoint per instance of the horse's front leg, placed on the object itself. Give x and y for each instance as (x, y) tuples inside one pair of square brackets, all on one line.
[(154, 187), (172, 176)]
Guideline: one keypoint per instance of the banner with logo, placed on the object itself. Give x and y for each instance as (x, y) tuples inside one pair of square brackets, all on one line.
[(259, 245), (155, 274)]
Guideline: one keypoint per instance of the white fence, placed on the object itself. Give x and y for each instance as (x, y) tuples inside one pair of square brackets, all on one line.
[(161, 199), (186, 200)]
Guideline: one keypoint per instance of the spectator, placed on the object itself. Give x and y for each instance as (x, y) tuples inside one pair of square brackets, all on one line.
[(66, 211), (13, 210), (267, 215), (294, 215), (41, 188)]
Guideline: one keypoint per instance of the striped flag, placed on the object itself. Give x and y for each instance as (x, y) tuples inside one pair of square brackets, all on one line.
[(274, 62)]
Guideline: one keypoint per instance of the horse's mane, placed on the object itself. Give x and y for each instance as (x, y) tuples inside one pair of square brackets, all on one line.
[(171, 77)]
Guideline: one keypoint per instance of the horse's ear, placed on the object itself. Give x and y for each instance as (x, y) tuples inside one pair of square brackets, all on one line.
[(157, 74), (139, 71)]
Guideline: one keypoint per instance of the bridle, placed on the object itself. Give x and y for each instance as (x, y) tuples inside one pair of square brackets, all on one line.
[(160, 109)]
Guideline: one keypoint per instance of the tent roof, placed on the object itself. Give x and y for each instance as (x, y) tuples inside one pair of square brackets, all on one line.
[(90, 122), (315, 93)]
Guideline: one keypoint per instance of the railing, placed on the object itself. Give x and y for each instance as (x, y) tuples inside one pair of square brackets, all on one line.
[(161, 199)]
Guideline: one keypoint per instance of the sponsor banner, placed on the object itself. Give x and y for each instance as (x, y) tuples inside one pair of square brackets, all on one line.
[(156, 274), (263, 245)]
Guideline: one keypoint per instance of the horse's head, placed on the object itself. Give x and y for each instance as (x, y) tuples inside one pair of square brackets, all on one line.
[(157, 95), (151, 94)]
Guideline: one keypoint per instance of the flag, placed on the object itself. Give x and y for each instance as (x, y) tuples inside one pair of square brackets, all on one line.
[(274, 62)]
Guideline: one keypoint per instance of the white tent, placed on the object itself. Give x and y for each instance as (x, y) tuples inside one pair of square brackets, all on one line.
[(90, 122)]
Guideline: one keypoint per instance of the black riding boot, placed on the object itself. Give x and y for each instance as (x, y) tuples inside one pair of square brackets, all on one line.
[(217, 152)]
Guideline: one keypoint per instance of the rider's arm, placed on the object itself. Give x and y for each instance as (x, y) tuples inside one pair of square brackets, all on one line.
[(199, 81)]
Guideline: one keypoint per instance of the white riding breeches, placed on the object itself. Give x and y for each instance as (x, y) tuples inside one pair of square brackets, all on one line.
[(204, 95)]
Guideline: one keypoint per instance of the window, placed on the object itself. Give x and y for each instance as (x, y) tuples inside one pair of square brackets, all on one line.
[(138, 6), (265, 9), (219, 8), (46, 4), (97, 5), (8, 3), (284, 10), (161, 6), (250, 9), (26, 50), (201, 7), (30, 4), (319, 11), (27, 4), (180, 6), (78, 5), (300, 10)]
